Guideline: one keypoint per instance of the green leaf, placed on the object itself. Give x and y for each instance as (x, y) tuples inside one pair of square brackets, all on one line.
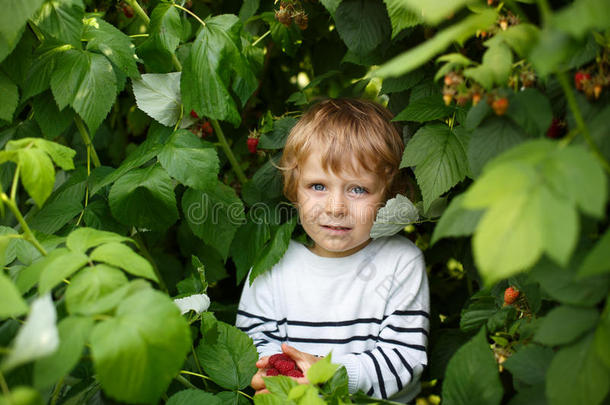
[(144, 198), (248, 9), (91, 285), (140, 350), (482, 147), (280, 385), (11, 303), (104, 38), (602, 335), (188, 160), (59, 266), (577, 375), (214, 215), (22, 395), (322, 370), (397, 213), (564, 324), (362, 24), (193, 397), (417, 56), (7, 245), (120, 255), (55, 214), (288, 38), (495, 67), (277, 138), (165, 24), (12, 22), (274, 250), (590, 14), (434, 13), (215, 57), (247, 243), (598, 259), (424, 109), (51, 120), (520, 37), (271, 399), (230, 361), (73, 334), (62, 20), (37, 338), (530, 364), (472, 375), (532, 111), (439, 156), (10, 98), (82, 239), (158, 95), (39, 72), (454, 61), (456, 221), (477, 313), (87, 82), (553, 48), (37, 174), (61, 155), (401, 16)]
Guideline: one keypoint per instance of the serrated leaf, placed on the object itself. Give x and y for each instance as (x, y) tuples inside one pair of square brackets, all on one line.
[(401, 16), (577, 375), (397, 213), (73, 333), (38, 75), (532, 111), (7, 245), (120, 255), (37, 338), (230, 361), (247, 243), (60, 266), (37, 174), (82, 239), (277, 138), (472, 375), (495, 66), (214, 215), (144, 198), (436, 12), (193, 397), (288, 38), (51, 120), (112, 43), (11, 303), (16, 14), (62, 20), (90, 286), (188, 160), (55, 214), (424, 109), (158, 95), (214, 60), (274, 250), (530, 363), (602, 335), (322, 371), (598, 259), (520, 37), (10, 98), (166, 25), (140, 350), (439, 155), (423, 53), (87, 82), (590, 14), (563, 324), (362, 24)]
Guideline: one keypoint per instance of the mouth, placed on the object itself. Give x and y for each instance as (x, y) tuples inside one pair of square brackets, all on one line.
[(336, 228)]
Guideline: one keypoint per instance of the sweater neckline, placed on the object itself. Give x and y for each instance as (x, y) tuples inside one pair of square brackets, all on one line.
[(333, 266)]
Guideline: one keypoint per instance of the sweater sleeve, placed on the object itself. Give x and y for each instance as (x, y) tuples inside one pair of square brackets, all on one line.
[(394, 366), (256, 315)]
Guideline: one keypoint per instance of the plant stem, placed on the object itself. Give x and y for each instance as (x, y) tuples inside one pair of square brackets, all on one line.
[(580, 122), (545, 11), (261, 38), (245, 395), (15, 182), (85, 135), (4, 386), (139, 36), (184, 381), (227, 149), (191, 13), (27, 232), (139, 11), (56, 391), (146, 253)]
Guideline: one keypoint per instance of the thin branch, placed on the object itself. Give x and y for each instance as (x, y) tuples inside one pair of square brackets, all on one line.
[(261, 38), (87, 140), (227, 149), (27, 232), (191, 13), (139, 11)]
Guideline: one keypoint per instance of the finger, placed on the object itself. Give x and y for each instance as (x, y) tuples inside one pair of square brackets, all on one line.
[(263, 362), (291, 351), (257, 381), (263, 391)]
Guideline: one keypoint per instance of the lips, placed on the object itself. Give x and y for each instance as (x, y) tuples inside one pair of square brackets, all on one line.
[(336, 228)]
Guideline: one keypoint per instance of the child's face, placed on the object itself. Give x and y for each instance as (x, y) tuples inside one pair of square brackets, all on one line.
[(337, 210)]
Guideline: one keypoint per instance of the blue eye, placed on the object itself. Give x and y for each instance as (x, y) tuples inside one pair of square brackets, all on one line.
[(359, 190), (317, 187)]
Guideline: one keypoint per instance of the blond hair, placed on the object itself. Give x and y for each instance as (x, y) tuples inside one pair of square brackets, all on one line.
[(344, 128)]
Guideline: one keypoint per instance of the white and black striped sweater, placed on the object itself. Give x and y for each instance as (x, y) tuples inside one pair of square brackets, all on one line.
[(371, 309)]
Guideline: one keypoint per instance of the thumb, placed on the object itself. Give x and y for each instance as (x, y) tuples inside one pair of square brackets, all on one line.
[(291, 351)]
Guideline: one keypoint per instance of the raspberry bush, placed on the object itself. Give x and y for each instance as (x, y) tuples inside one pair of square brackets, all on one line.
[(138, 187)]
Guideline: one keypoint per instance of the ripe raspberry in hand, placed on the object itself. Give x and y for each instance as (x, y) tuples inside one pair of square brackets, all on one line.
[(285, 366), (510, 295), (294, 373), (276, 357), (272, 372)]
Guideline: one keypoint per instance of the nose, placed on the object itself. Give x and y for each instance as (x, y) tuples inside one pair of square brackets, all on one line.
[(336, 205)]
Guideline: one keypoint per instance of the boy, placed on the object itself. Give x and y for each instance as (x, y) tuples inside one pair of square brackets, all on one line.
[(365, 300)]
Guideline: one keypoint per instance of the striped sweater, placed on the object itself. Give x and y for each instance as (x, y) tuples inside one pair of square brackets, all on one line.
[(371, 309)]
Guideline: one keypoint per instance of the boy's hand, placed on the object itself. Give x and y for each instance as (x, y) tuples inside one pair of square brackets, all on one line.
[(257, 379)]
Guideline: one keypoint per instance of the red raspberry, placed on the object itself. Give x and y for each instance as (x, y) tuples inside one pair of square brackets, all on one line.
[(194, 114), (294, 373), (500, 105), (127, 10), (285, 366), (276, 357), (510, 295), (271, 372), (580, 78), (252, 144), (207, 128)]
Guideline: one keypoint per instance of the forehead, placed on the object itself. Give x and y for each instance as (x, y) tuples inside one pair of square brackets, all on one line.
[(313, 168)]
